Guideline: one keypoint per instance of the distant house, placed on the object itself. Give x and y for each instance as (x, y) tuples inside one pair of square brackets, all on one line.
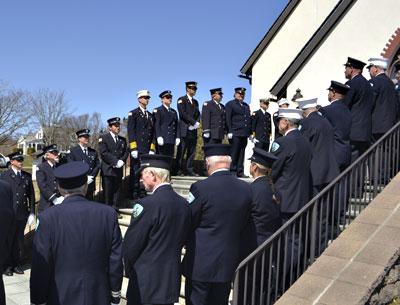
[(34, 140)]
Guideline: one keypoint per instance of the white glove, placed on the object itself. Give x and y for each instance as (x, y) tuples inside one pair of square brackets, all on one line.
[(151, 152), (115, 303), (255, 141), (58, 200), (134, 154), (177, 141), (206, 135), (120, 163), (230, 135), (197, 125), (160, 141), (31, 219), (191, 127), (90, 179)]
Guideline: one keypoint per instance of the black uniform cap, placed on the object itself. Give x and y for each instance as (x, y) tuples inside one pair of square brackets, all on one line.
[(263, 157), (191, 84), (49, 148), (16, 156), (217, 150), (165, 93), (338, 87), (113, 121), (155, 160), (240, 90), (216, 90), (72, 174), (83, 132), (355, 63)]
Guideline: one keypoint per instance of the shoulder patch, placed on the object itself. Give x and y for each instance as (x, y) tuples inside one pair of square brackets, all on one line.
[(179, 101), (274, 147), (130, 113), (371, 84), (254, 113), (155, 110), (299, 128), (137, 210), (205, 104), (190, 198), (100, 139)]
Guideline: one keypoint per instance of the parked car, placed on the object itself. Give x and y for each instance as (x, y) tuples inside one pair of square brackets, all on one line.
[(3, 161)]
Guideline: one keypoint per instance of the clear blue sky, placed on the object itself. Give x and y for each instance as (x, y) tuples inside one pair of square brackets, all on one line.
[(102, 52)]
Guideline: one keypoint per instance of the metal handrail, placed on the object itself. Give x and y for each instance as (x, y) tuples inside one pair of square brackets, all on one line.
[(336, 191)]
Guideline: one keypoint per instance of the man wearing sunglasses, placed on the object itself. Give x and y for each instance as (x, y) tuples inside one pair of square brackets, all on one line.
[(141, 139), (166, 125)]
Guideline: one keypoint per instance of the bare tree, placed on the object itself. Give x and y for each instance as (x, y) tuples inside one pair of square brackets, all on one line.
[(14, 112), (49, 109)]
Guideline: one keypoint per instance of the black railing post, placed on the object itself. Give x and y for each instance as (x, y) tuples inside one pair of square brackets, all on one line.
[(313, 232), (376, 171)]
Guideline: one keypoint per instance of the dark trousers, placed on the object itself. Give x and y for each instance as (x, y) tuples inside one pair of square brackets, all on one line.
[(188, 147), (136, 190), (90, 190), (262, 145), (2, 294), (358, 148), (212, 141), (204, 293), (14, 259), (237, 154), (167, 149), (112, 189)]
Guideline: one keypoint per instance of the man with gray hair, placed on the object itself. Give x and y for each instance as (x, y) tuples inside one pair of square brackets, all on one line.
[(153, 243), (220, 208), (77, 249), (385, 98)]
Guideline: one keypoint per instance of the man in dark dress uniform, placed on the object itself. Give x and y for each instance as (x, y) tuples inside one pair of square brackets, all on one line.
[(238, 121), (261, 126), (24, 208), (7, 219), (338, 114), (282, 103), (220, 208), (113, 152), (82, 152), (167, 132), (319, 132), (141, 139), (384, 111), (360, 101), (213, 118), (189, 122), (45, 179), (77, 248), (153, 243)]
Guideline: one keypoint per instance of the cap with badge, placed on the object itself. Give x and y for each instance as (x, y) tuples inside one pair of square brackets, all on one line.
[(217, 150), (83, 133), (355, 63), (191, 85), (290, 113), (72, 174), (52, 148), (307, 103), (166, 93), (338, 87), (378, 62), (263, 157), (114, 121), (16, 156), (240, 90), (155, 160), (283, 101), (143, 93), (264, 100), (216, 91)]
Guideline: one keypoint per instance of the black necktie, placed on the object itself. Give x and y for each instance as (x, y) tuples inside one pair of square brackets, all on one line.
[(19, 175), (85, 151)]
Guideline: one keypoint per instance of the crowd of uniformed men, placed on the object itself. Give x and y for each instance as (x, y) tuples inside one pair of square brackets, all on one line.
[(78, 251)]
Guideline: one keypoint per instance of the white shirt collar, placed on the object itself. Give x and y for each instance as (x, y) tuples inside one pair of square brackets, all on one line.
[(286, 133), (263, 111), (15, 170), (219, 170), (113, 135), (51, 164), (334, 100), (83, 148), (189, 97), (166, 107), (143, 110), (161, 184)]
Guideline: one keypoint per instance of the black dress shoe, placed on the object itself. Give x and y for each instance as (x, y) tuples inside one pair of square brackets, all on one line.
[(18, 270), (8, 272)]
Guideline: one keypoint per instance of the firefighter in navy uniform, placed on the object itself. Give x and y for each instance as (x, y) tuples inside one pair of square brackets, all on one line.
[(238, 121), (7, 222), (261, 126), (220, 209), (141, 135), (166, 125), (214, 118), (45, 179), (77, 248), (82, 152), (282, 103), (189, 122), (153, 243), (24, 208), (360, 100), (113, 152)]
